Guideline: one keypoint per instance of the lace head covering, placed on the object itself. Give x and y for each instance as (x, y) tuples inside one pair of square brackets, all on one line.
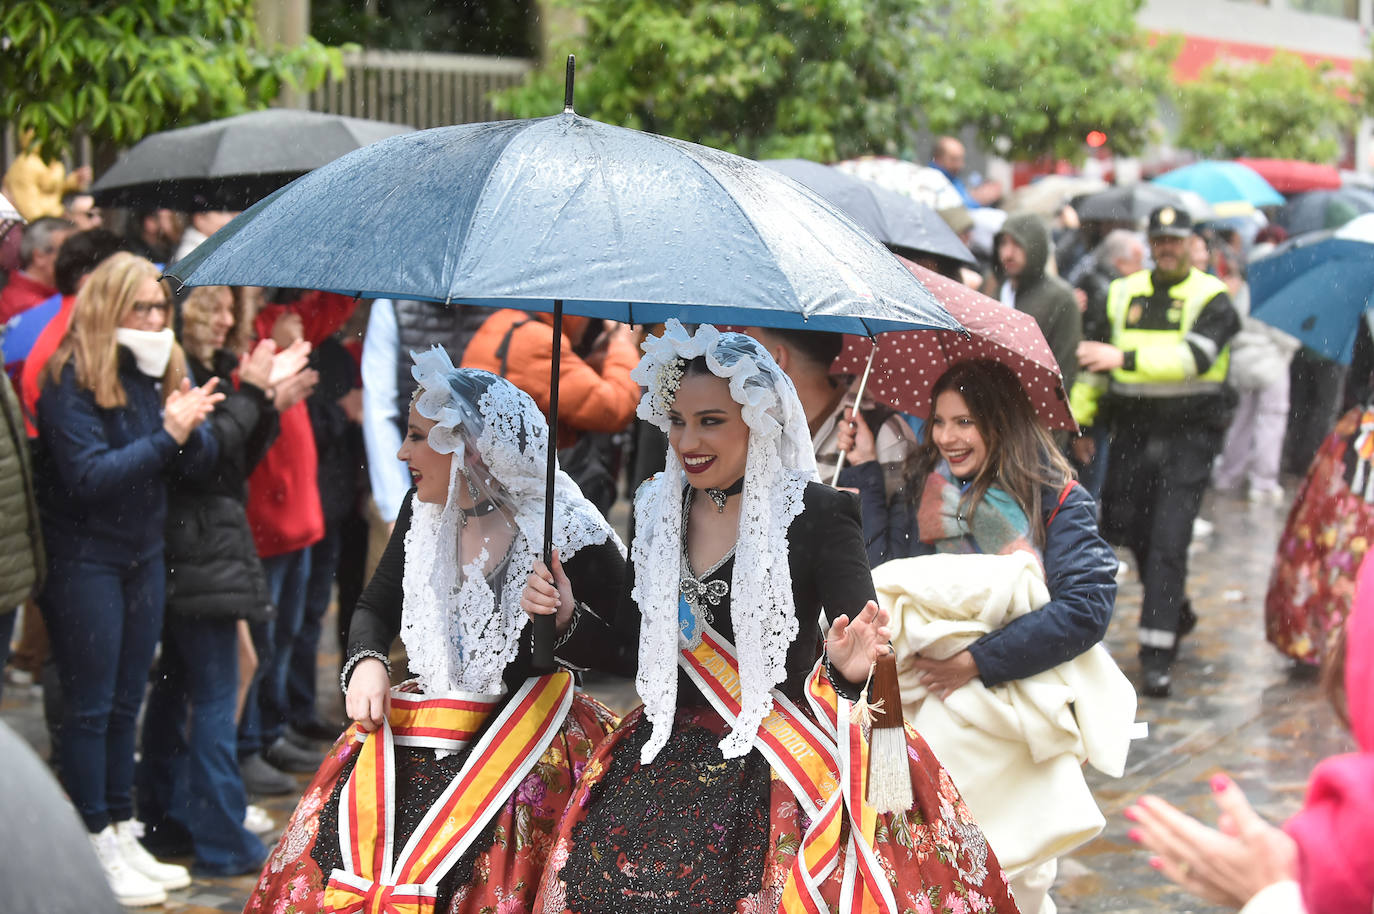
[(779, 464), (459, 633)]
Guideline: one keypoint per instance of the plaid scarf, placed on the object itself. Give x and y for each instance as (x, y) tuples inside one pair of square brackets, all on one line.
[(996, 526)]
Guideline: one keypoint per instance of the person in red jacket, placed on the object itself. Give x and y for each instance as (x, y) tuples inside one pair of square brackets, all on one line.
[(286, 518), (34, 281)]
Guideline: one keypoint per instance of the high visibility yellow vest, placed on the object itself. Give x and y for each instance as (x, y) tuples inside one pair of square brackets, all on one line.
[(1189, 296)]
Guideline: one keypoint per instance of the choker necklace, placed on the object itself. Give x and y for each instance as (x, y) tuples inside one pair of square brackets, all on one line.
[(719, 495), (480, 509)]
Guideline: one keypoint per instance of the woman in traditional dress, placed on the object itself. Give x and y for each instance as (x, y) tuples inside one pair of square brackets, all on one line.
[(444, 794), (739, 783), (1327, 535), (1008, 622)]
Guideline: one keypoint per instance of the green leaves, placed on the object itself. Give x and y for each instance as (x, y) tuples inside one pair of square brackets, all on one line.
[(821, 79), (830, 79), (1281, 108), (117, 70), (1034, 77)]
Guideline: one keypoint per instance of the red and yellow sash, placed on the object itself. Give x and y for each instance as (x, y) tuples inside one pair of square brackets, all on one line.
[(825, 766), (370, 883)]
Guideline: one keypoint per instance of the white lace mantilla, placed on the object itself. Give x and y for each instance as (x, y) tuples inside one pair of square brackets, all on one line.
[(779, 465), (458, 633)]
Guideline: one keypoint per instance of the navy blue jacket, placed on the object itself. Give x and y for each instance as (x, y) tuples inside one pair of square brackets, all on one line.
[(101, 474), (1080, 570)]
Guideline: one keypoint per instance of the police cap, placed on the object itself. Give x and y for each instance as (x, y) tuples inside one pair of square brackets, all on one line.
[(1170, 222)]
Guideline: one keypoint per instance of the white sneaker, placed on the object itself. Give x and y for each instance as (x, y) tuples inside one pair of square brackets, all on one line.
[(167, 875), (1202, 528), (130, 887), (256, 820)]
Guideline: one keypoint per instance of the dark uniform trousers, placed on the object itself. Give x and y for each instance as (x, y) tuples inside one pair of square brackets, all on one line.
[(1157, 474)]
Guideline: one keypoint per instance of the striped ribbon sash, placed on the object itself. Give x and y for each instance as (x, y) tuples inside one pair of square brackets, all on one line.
[(376, 879), (823, 761)]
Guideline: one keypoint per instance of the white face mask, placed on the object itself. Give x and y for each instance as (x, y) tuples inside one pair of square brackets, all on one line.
[(152, 349)]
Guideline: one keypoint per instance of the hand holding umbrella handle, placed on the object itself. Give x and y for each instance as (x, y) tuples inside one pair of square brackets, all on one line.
[(858, 401)]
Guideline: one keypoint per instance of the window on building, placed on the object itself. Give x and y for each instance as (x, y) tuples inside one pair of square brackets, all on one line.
[(1346, 9)]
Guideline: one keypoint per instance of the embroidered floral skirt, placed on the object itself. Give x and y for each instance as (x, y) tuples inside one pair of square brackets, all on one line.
[(1327, 533), (696, 832), (500, 873)]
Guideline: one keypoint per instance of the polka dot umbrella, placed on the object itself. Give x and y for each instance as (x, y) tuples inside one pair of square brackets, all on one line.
[(906, 364)]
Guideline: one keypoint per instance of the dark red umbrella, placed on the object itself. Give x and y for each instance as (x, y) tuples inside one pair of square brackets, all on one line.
[(907, 363), (1291, 176)]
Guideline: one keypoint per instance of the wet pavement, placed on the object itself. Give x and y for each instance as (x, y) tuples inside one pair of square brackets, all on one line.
[(1238, 707)]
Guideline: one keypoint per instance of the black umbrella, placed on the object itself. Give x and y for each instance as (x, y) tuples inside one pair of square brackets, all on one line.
[(232, 163), (1135, 202), (906, 225), (1318, 210)]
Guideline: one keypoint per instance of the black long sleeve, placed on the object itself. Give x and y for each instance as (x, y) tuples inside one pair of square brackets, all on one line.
[(597, 571)]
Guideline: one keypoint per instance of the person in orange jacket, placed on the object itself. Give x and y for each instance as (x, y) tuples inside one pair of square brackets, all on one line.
[(595, 393)]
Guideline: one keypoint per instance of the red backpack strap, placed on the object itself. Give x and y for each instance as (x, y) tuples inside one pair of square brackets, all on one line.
[(1068, 487)]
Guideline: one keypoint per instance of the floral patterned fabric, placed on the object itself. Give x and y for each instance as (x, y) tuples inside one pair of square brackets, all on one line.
[(694, 831), (1328, 531), (499, 874)]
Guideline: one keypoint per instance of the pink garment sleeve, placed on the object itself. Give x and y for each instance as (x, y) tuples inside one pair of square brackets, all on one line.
[(1335, 829)]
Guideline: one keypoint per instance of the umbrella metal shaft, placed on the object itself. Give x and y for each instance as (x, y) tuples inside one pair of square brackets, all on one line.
[(858, 398), (544, 631)]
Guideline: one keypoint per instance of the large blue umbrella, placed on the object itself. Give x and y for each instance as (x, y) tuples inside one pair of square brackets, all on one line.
[(1318, 287), (614, 223), (561, 213), (1231, 188)]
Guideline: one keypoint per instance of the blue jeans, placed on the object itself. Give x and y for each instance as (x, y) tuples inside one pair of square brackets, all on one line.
[(196, 781), (264, 711), (104, 622), (300, 676)]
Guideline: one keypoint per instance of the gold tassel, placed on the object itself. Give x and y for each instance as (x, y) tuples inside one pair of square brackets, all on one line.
[(889, 772)]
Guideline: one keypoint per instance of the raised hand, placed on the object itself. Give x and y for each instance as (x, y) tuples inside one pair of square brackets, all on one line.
[(856, 439), (1228, 865), (853, 645), (290, 361), (255, 366), (188, 407), (296, 388), (548, 593)]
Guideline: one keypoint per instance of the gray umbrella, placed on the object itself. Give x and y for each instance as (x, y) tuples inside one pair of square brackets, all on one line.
[(566, 213), (232, 163), (907, 226), (1135, 202), (48, 864)]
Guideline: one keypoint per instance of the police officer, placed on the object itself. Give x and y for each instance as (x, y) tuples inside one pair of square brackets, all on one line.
[(1160, 381)]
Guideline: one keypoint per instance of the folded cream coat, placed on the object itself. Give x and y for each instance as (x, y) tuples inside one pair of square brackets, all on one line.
[(1016, 750)]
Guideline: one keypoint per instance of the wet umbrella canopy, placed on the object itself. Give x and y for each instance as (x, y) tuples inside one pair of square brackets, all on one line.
[(232, 163), (904, 224), (568, 213), (1318, 287), (615, 223)]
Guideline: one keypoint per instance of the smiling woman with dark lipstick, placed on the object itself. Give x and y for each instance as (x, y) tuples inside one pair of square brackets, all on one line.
[(739, 555)]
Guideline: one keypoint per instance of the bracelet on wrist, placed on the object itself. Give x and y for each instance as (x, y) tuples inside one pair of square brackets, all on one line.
[(353, 661), (578, 608)]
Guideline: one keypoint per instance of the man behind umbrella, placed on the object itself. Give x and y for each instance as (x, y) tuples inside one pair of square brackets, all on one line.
[(1168, 409)]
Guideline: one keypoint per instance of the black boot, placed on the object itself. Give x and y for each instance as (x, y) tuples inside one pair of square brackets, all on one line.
[(1154, 668)]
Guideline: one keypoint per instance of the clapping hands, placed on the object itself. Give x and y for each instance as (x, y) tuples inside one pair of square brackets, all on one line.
[(187, 407)]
